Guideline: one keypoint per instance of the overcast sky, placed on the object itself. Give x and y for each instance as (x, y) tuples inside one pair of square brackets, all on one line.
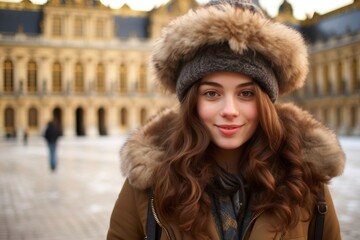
[(302, 8)]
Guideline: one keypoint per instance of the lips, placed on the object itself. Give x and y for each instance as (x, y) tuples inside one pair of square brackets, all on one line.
[(228, 130)]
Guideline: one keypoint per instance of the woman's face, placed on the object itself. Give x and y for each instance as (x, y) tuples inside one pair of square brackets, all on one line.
[(227, 107)]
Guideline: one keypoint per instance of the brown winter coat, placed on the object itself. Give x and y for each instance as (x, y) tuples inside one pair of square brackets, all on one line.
[(142, 153)]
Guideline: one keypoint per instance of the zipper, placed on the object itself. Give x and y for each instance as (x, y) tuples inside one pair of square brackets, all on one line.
[(157, 218), (257, 214)]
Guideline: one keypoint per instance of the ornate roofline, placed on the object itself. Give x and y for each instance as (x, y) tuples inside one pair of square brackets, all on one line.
[(23, 5), (318, 17)]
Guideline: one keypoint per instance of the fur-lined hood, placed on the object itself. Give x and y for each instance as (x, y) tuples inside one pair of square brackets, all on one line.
[(142, 152), (240, 27)]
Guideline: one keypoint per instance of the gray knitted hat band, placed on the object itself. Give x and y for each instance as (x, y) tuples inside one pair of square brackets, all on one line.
[(218, 58)]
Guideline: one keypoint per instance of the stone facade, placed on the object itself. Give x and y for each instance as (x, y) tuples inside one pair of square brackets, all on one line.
[(87, 66)]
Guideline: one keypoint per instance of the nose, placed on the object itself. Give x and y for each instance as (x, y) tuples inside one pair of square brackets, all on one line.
[(229, 109)]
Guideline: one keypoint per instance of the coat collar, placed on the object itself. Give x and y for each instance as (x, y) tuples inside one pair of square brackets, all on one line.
[(142, 152)]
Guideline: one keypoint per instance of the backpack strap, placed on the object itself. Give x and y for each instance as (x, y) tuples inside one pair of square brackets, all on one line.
[(152, 228), (322, 209)]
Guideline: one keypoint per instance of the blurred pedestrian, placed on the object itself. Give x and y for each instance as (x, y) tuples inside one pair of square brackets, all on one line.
[(25, 137), (51, 135)]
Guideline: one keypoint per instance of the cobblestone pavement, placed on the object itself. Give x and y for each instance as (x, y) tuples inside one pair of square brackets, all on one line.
[(73, 203), (76, 201)]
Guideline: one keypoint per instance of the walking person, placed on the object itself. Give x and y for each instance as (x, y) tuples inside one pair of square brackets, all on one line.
[(51, 136), (230, 162), (25, 137)]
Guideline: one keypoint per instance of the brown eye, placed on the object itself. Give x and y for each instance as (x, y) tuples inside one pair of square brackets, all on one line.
[(211, 94), (247, 93)]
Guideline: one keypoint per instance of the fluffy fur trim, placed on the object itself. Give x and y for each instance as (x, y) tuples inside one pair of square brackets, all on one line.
[(142, 153), (241, 29), (320, 144)]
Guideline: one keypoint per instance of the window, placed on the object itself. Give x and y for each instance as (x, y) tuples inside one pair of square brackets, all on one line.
[(123, 117), (9, 120), (32, 77), (33, 118), (142, 79), (57, 26), (100, 78), (56, 74), (143, 116), (79, 78), (123, 80), (8, 76), (100, 26), (79, 27)]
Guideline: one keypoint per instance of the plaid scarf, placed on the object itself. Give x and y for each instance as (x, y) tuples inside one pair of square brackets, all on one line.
[(228, 196)]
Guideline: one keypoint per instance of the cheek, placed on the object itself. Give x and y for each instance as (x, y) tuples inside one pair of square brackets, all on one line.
[(204, 111), (251, 111)]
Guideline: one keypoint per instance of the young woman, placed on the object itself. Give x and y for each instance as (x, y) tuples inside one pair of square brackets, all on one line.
[(229, 163)]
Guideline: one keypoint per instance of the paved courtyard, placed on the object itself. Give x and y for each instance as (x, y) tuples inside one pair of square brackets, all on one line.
[(75, 202)]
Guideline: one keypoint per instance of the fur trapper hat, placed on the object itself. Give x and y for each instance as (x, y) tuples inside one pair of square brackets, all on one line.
[(279, 62)]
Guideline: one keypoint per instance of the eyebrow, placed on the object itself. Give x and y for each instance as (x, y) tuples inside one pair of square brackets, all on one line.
[(215, 84)]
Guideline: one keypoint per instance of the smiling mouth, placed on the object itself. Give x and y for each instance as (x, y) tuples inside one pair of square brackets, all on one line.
[(228, 130), (229, 127)]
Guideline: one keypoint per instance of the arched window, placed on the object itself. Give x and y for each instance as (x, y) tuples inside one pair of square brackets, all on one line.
[(122, 78), (100, 78), (8, 76), (32, 77), (142, 79), (9, 120), (79, 78), (33, 118), (56, 74), (123, 117), (143, 116)]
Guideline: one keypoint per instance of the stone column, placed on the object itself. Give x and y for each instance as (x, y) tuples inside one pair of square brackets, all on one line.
[(133, 116), (344, 119), (2, 66), (112, 120), (69, 119), (347, 76), (20, 74), (44, 69), (20, 119), (90, 120), (356, 130), (332, 79), (68, 77)]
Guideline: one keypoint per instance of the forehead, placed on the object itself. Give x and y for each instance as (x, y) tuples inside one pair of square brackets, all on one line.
[(226, 78)]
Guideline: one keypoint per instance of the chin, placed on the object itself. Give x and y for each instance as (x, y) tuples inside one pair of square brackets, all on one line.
[(229, 146)]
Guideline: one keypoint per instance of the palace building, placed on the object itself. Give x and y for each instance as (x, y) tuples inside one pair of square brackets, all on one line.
[(87, 66)]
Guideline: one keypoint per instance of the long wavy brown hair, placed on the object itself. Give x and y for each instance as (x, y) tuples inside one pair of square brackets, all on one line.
[(272, 165)]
